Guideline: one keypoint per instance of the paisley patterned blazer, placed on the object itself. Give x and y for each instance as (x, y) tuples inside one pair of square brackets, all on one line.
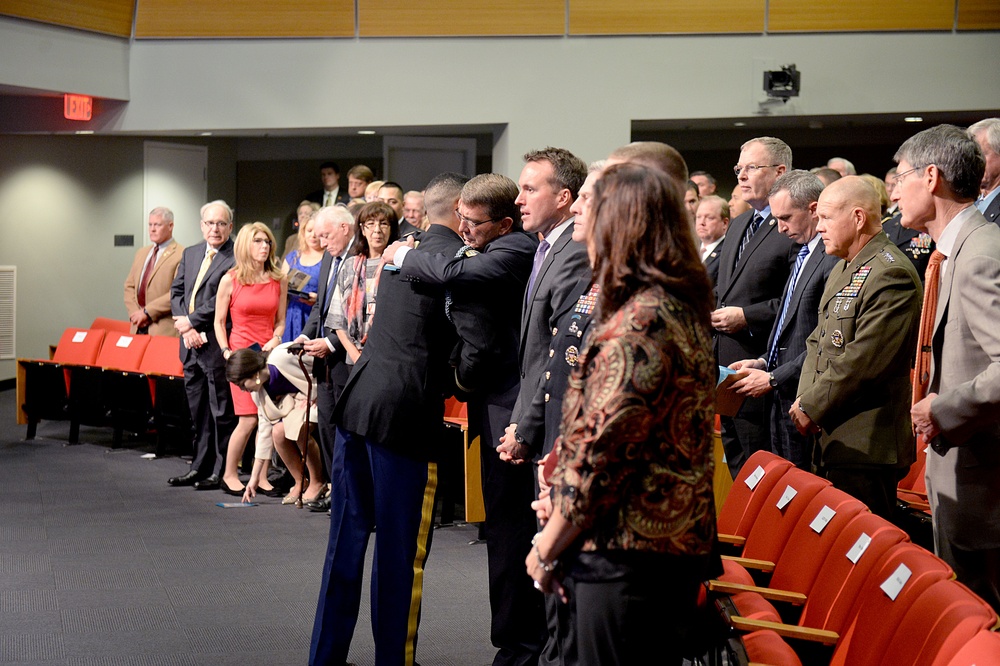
[(635, 459)]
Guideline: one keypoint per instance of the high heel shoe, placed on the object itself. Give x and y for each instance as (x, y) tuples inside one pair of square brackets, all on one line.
[(291, 499)]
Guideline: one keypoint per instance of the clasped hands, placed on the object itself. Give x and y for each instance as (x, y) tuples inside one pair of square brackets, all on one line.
[(510, 450)]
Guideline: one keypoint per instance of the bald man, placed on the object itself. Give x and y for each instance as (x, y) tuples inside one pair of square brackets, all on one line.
[(854, 391)]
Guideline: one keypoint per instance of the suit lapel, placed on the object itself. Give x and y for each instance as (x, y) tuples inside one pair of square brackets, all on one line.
[(766, 227), (728, 255), (550, 258), (968, 226), (169, 250), (812, 265)]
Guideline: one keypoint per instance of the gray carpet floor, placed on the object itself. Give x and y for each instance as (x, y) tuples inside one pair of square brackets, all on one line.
[(103, 564)]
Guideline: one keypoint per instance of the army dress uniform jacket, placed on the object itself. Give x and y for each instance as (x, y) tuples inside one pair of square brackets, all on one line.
[(855, 381)]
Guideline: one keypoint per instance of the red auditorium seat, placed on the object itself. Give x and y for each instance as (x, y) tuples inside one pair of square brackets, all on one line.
[(761, 473)]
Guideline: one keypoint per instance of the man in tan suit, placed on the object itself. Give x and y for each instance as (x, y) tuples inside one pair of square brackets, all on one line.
[(147, 287), (938, 179)]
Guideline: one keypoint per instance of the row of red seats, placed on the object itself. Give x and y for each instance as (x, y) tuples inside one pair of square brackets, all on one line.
[(816, 568), (105, 376)]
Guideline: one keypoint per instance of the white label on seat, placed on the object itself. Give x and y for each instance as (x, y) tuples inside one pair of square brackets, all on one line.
[(787, 496), (755, 478), (123, 341), (821, 520), (859, 548), (79, 336), (894, 583)]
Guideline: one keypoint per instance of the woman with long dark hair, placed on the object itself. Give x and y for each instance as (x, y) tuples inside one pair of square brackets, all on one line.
[(632, 528)]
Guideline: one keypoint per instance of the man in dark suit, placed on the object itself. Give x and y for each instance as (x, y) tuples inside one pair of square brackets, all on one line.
[(391, 194), (334, 226), (192, 303), (549, 182), (775, 375), (958, 416), (710, 223), (330, 195), (754, 266), (987, 135), (389, 422), (854, 390)]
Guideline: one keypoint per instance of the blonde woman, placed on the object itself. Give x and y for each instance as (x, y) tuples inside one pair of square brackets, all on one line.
[(307, 260), (253, 296)]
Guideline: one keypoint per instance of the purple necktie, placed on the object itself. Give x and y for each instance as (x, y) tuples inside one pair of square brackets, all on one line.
[(536, 267)]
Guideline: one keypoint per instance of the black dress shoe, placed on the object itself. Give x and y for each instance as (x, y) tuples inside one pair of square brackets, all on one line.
[(188, 479), (208, 483), (271, 492), (319, 505)]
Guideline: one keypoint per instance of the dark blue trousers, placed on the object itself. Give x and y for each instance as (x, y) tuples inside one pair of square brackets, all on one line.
[(374, 486)]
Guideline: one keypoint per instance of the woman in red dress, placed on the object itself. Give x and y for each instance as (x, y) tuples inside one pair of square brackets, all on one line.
[(253, 296)]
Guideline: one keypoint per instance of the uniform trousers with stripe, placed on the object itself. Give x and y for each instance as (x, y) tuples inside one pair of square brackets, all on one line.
[(374, 485)]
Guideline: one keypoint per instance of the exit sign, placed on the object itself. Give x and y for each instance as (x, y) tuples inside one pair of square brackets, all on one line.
[(78, 107)]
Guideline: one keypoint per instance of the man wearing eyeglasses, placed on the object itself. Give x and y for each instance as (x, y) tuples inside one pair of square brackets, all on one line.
[(755, 264), (192, 303), (958, 359)]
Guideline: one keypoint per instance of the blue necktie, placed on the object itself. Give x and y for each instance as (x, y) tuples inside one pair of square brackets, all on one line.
[(772, 356), (751, 230)]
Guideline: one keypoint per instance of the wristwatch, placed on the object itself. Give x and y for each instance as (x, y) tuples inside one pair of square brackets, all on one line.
[(771, 380)]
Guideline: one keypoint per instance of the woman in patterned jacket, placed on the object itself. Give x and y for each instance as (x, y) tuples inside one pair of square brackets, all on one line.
[(632, 528)]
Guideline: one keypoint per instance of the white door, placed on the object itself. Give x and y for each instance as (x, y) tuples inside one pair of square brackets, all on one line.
[(175, 175)]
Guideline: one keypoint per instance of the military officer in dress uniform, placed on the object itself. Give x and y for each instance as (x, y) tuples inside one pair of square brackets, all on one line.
[(854, 391)]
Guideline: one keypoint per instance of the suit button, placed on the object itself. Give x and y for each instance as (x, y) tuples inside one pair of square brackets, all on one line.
[(546, 397), (552, 352), (555, 330), (548, 375), (579, 334), (823, 333)]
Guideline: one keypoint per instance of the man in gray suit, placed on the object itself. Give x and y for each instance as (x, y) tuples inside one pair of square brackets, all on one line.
[(549, 184), (940, 170), (793, 202), (987, 135)]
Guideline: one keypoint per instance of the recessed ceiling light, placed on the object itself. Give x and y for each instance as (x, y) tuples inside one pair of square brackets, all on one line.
[(913, 119), (85, 131), (739, 124), (206, 134), (366, 131)]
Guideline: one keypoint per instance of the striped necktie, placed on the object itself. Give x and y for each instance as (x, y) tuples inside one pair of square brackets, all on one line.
[(751, 230), (772, 356)]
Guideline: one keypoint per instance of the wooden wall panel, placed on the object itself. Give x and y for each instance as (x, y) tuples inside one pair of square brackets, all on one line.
[(643, 17), (978, 15), (456, 18), (113, 17), (860, 15), (244, 18)]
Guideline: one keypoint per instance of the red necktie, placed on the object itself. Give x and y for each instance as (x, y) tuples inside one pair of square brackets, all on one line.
[(922, 369), (141, 296)]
